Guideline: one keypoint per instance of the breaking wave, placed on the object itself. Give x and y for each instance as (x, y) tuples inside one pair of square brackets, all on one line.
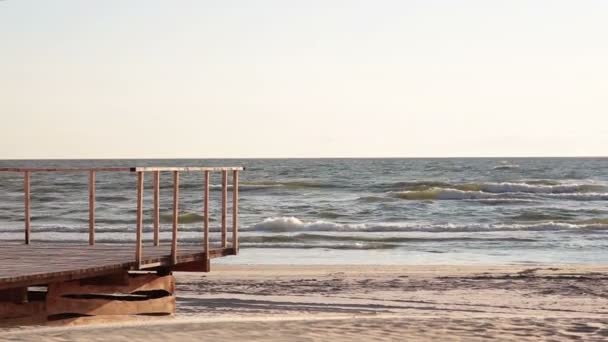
[(293, 224), (532, 187), (505, 190)]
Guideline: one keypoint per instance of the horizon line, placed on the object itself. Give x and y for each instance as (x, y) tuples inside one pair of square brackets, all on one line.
[(276, 158)]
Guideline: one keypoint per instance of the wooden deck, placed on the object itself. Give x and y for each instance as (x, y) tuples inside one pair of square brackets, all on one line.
[(44, 263), (54, 279)]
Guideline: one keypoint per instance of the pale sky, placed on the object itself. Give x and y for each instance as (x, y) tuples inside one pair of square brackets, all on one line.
[(158, 79)]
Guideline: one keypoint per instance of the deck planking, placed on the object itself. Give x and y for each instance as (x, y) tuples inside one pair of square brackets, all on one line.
[(43, 263)]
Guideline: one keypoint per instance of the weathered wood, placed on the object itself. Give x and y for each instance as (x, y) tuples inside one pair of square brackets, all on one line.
[(140, 216), (44, 263), (175, 216), (134, 283), (16, 295), (66, 169), (94, 306), (206, 217), (224, 208), (235, 211), (193, 267), (34, 311), (156, 208), (26, 200), (92, 207)]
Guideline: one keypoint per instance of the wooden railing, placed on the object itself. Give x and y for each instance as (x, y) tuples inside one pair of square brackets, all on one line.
[(156, 171)]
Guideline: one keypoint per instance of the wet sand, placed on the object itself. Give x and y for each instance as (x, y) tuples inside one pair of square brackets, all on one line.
[(340, 303)]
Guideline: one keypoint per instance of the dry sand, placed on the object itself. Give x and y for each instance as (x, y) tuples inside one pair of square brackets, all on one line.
[(379, 303)]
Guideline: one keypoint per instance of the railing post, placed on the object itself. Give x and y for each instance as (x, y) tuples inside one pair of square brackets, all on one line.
[(175, 216), (26, 200), (156, 207), (235, 211), (92, 207), (206, 220), (140, 206), (224, 207)]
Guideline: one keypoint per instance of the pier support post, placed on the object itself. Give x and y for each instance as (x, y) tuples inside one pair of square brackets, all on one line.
[(92, 207), (156, 208), (140, 207), (26, 203), (224, 207), (235, 211), (206, 222), (175, 216)]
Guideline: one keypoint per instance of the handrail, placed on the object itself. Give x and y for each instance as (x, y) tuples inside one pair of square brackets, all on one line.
[(122, 169), (27, 172)]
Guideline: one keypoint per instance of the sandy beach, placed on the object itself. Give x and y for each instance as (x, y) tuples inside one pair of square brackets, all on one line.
[(381, 303)]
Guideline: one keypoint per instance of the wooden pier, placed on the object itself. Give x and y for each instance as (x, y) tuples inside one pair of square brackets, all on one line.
[(42, 281)]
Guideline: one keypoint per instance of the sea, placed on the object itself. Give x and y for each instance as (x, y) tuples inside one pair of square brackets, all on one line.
[(342, 211)]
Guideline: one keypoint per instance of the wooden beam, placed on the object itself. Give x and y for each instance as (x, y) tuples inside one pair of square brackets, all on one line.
[(20, 265), (224, 208), (92, 207), (175, 216), (206, 217), (26, 195), (120, 169), (187, 168), (101, 306), (140, 206), (235, 211), (127, 283), (156, 208), (16, 295), (66, 169)]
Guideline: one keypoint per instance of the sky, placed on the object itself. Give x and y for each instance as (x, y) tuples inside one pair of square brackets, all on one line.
[(315, 78)]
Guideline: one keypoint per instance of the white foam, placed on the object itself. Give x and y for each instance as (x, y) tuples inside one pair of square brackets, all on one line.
[(293, 224)]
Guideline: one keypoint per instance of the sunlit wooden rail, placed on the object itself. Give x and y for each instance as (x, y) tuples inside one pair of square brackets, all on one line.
[(156, 171)]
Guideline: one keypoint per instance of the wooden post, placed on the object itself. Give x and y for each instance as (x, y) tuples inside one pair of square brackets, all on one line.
[(175, 216), (206, 221), (156, 207), (235, 211), (224, 207), (91, 207), (140, 216), (26, 195)]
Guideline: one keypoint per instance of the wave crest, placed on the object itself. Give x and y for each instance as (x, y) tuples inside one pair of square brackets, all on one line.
[(293, 224)]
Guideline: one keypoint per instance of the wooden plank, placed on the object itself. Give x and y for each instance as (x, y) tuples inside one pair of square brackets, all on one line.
[(63, 305), (121, 169), (224, 208), (135, 283), (140, 215), (92, 207), (191, 267), (235, 211), (15, 295), (26, 195), (175, 216), (66, 169), (44, 263), (156, 208), (36, 311)]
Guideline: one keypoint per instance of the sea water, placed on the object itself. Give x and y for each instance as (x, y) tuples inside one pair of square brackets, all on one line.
[(343, 211)]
